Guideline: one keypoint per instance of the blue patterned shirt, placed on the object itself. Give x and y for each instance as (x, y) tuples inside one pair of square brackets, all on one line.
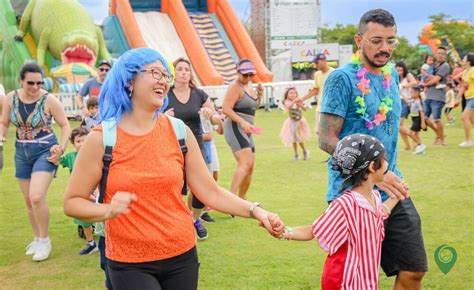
[(340, 92)]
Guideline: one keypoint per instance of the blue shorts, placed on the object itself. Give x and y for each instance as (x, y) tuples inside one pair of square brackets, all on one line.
[(405, 110), (31, 157), (470, 104), (434, 108)]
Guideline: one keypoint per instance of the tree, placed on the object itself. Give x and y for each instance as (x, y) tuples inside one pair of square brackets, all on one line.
[(340, 34), (459, 34), (409, 54)]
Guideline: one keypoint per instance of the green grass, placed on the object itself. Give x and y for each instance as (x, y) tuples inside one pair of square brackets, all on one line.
[(239, 254)]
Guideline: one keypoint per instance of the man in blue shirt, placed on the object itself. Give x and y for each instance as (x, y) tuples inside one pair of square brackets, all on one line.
[(92, 87), (347, 110)]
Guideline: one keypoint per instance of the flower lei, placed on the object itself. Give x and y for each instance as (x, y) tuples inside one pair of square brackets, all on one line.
[(364, 87)]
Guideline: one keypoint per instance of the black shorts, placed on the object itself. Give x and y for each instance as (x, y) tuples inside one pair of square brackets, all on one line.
[(403, 248), (415, 123)]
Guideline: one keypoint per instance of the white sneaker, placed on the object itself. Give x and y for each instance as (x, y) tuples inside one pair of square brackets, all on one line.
[(42, 251), (30, 249), (420, 149), (466, 144)]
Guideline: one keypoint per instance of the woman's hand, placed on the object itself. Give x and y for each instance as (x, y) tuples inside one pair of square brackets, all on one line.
[(270, 221), (247, 127), (56, 152), (207, 113), (120, 204)]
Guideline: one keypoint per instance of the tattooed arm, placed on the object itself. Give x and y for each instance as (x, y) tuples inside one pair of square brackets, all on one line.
[(329, 128)]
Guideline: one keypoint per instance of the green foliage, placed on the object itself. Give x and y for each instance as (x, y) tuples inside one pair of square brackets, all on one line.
[(459, 33), (238, 253), (340, 34)]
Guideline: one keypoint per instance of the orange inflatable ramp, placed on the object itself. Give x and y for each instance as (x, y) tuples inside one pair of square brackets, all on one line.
[(239, 37), (180, 18)]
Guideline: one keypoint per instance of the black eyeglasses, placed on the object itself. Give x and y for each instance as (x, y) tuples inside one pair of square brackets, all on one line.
[(158, 75), (104, 69), (31, 83)]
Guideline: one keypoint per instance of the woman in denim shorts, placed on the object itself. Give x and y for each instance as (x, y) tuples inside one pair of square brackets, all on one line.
[(37, 152)]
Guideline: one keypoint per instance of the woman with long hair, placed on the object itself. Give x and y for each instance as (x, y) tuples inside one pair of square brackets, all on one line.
[(187, 103), (406, 81)]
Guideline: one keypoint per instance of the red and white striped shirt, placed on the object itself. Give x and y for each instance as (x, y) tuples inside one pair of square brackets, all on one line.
[(352, 234)]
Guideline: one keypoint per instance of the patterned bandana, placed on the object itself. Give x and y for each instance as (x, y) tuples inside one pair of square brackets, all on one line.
[(355, 152)]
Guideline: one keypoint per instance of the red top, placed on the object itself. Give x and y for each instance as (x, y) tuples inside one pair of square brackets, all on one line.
[(352, 234), (159, 225)]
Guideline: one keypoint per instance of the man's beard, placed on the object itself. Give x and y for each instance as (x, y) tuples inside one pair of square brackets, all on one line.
[(373, 64)]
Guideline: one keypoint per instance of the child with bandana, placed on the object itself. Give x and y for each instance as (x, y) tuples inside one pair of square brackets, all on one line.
[(351, 230)]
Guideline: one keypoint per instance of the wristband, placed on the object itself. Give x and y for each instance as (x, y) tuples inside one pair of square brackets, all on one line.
[(289, 231), (252, 208)]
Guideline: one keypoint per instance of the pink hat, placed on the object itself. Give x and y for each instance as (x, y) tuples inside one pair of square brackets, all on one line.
[(246, 68)]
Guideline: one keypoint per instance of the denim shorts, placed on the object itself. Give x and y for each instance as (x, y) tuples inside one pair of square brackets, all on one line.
[(433, 107), (31, 157), (470, 104), (405, 110)]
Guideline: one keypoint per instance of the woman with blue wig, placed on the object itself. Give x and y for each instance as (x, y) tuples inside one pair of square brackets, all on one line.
[(150, 238)]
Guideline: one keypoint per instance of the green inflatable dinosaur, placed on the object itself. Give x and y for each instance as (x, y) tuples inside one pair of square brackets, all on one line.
[(65, 29)]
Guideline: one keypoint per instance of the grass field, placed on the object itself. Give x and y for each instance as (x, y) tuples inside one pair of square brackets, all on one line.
[(240, 255)]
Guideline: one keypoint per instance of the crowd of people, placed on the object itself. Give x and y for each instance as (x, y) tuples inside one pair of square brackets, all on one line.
[(155, 114)]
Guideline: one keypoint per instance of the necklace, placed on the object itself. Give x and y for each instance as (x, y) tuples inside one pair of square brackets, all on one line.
[(364, 87)]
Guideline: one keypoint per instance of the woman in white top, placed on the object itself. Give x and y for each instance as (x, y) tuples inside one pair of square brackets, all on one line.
[(407, 81)]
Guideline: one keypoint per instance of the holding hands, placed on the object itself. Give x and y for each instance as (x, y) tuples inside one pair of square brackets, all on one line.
[(270, 221), (56, 152), (394, 186)]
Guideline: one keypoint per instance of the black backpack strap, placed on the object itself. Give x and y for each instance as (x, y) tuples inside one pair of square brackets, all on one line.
[(184, 150), (106, 159)]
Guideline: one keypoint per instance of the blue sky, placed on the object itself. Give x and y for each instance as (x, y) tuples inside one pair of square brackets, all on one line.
[(411, 15)]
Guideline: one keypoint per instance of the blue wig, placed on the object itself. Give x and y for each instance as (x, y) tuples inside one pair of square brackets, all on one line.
[(114, 98)]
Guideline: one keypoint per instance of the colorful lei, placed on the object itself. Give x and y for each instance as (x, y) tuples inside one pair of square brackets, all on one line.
[(364, 87)]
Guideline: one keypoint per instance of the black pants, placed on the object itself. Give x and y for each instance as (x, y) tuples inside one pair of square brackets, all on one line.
[(180, 272)]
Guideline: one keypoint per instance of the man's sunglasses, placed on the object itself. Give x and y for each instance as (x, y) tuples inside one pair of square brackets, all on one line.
[(31, 83), (104, 69), (248, 75)]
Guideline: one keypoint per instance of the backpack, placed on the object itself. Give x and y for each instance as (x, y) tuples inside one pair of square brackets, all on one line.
[(109, 139)]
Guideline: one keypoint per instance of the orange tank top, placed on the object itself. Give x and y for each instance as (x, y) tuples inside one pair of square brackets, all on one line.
[(159, 225)]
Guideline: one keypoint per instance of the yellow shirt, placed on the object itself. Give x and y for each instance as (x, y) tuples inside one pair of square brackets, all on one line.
[(468, 77), (319, 80)]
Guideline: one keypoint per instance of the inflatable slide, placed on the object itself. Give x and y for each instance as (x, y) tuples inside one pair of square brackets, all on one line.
[(209, 33)]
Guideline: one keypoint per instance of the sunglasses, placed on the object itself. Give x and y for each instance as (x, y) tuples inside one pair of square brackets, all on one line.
[(248, 75), (104, 69), (31, 83)]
